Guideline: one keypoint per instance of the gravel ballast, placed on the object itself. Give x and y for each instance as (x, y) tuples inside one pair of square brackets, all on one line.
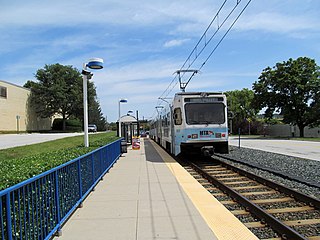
[(305, 169)]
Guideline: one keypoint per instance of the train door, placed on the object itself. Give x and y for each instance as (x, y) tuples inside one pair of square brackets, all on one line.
[(172, 134), (177, 133)]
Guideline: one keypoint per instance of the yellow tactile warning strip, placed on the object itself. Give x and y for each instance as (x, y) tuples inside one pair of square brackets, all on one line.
[(221, 221)]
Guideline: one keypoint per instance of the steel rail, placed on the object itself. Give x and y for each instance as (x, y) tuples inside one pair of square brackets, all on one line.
[(285, 231), (292, 193), (273, 171)]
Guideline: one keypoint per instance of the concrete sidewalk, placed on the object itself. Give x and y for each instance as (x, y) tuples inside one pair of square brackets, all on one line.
[(138, 199), (15, 140), (301, 149)]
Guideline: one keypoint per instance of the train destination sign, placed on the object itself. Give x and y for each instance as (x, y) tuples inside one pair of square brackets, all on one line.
[(204, 100)]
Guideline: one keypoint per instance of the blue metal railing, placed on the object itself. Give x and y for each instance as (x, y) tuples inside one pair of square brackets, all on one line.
[(37, 207)]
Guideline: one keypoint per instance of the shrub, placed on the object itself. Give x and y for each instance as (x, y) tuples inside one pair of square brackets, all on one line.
[(49, 155), (72, 125)]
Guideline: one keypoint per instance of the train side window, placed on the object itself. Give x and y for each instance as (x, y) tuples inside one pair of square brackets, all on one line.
[(177, 116)]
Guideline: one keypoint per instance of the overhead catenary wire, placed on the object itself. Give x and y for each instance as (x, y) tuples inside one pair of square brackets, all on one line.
[(215, 48), (196, 51), (216, 17), (219, 26), (173, 81)]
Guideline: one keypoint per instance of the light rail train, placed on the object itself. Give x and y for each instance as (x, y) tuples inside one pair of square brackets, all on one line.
[(194, 123)]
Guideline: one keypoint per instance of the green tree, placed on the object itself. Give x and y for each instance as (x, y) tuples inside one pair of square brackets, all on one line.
[(93, 105), (59, 90), (291, 88), (240, 104), (112, 126), (96, 115)]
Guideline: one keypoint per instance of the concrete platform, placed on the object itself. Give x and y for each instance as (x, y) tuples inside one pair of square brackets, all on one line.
[(147, 195)]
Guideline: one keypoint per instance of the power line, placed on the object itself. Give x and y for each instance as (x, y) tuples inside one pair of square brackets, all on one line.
[(204, 36), (205, 39), (215, 48)]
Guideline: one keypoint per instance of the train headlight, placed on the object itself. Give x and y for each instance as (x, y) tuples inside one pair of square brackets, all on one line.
[(194, 136)]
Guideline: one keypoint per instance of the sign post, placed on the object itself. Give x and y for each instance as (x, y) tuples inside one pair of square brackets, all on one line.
[(18, 128)]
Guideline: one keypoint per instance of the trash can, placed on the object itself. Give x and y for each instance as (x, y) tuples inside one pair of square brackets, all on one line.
[(124, 146)]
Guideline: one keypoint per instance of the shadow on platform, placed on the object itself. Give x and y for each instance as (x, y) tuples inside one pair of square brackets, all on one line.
[(151, 153)]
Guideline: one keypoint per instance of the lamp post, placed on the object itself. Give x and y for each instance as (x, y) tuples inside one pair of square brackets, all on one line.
[(123, 100), (93, 63)]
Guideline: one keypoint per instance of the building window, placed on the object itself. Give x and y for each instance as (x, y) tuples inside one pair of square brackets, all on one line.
[(3, 92)]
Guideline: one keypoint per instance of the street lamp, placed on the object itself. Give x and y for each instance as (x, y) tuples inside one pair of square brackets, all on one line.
[(93, 63), (123, 100)]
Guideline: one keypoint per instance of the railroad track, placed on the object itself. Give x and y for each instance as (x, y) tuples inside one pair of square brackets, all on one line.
[(281, 174), (269, 210)]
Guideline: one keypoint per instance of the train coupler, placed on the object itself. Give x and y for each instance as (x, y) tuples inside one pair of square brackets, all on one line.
[(207, 151)]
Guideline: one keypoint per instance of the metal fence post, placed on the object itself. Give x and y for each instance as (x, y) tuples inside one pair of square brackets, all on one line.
[(57, 196), (92, 165), (1, 219), (80, 180), (102, 166), (8, 211)]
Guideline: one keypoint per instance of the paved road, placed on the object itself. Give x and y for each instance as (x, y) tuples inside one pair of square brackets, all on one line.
[(14, 140), (302, 149)]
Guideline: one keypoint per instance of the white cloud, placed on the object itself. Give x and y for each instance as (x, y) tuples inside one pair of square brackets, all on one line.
[(141, 82), (276, 22), (130, 35), (140, 70), (98, 12), (175, 42)]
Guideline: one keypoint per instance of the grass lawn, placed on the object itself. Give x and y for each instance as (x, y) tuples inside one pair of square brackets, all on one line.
[(20, 163)]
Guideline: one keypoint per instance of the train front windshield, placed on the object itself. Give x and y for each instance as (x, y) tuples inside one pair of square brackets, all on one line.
[(205, 113)]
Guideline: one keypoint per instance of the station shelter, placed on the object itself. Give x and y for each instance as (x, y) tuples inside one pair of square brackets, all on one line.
[(129, 127)]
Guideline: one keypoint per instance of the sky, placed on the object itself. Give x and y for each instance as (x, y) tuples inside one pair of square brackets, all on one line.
[(143, 43)]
